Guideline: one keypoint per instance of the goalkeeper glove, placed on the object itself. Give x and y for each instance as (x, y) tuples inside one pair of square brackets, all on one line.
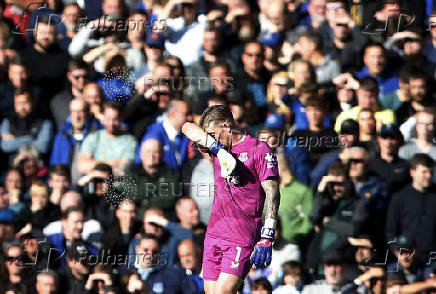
[(262, 252), (226, 160)]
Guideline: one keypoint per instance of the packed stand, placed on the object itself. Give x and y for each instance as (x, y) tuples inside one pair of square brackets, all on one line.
[(102, 193)]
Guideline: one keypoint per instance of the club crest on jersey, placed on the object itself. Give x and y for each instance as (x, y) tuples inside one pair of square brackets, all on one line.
[(243, 156), (271, 158)]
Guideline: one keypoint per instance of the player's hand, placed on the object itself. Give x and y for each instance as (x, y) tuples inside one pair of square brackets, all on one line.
[(261, 255), (227, 163), (262, 252)]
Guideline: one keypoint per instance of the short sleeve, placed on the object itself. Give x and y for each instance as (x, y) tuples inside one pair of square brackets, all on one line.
[(89, 144), (130, 148), (266, 162)]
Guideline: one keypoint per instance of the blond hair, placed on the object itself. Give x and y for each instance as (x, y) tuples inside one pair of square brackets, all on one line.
[(39, 188)]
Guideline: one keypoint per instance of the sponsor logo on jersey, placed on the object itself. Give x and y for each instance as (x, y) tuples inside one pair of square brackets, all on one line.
[(271, 158)]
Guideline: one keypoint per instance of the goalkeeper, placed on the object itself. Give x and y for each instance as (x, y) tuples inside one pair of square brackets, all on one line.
[(246, 178)]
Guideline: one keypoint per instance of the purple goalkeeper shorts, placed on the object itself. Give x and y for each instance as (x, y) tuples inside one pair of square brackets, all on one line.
[(222, 256)]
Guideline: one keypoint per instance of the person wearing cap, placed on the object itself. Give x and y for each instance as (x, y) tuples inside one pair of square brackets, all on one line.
[(407, 264), (184, 34), (425, 124), (153, 49), (371, 189), (310, 47), (367, 97), (420, 96), (335, 268), (386, 163), (412, 207), (348, 136), (272, 44)]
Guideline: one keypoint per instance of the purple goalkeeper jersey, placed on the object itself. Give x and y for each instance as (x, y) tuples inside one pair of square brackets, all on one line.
[(236, 214)]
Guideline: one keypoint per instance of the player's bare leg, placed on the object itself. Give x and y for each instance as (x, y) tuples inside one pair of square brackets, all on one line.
[(209, 287), (228, 284)]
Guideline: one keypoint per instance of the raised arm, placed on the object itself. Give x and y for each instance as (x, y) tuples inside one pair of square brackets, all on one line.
[(199, 136)]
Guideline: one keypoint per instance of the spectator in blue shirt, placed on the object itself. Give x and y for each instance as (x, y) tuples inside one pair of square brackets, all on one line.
[(168, 132), (375, 65), (67, 142), (190, 260), (160, 279), (169, 234)]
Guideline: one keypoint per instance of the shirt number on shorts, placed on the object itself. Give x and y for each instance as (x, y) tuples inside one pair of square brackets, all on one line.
[(235, 263)]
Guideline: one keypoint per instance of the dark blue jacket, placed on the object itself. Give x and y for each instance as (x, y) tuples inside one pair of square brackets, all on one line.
[(170, 281), (157, 131), (387, 81), (322, 167), (299, 161), (64, 141), (175, 234), (374, 193), (58, 242)]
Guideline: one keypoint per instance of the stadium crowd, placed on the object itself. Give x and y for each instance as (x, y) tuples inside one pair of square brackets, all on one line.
[(102, 193)]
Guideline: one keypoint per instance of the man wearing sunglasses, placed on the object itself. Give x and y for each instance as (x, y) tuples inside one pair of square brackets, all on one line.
[(372, 189), (78, 76), (15, 265)]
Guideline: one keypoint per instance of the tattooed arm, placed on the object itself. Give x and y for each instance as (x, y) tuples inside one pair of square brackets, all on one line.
[(262, 252), (272, 197)]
